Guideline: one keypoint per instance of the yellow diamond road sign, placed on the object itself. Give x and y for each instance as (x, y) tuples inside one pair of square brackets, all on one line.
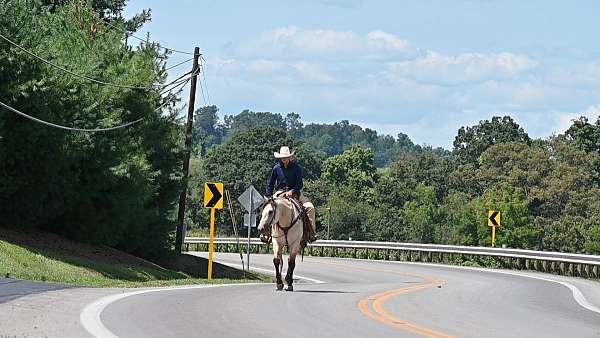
[(213, 195), (494, 218)]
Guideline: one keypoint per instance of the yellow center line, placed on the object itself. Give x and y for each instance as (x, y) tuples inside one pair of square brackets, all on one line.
[(378, 299)]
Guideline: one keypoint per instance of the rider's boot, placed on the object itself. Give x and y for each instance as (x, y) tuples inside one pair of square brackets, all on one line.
[(312, 235)]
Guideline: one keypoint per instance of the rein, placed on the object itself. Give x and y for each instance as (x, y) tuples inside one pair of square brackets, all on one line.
[(293, 222)]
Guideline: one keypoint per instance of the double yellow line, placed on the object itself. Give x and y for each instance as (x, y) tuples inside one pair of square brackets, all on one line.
[(376, 302)]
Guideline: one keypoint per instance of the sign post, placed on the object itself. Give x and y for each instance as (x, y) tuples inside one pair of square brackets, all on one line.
[(493, 221), (249, 228), (213, 199), (251, 199)]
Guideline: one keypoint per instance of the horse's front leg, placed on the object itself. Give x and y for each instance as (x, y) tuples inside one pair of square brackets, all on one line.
[(289, 276), (278, 262)]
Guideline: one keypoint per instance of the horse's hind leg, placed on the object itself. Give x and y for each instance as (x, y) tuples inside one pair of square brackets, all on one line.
[(289, 276)]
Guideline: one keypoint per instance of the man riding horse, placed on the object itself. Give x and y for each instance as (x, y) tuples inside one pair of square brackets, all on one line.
[(286, 181)]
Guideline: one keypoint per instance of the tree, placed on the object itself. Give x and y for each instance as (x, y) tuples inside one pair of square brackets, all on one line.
[(421, 216), (462, 220), (207, 131), (116, 188), (353, 168), (584, 135), (248, 120), (517, 230), (293, 125), (473, 141)]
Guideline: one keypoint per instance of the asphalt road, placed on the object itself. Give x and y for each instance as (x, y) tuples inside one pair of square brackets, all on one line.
[(11, 289), (364, 299)]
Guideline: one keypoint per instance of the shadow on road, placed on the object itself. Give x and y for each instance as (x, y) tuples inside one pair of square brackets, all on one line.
[(324, 291)]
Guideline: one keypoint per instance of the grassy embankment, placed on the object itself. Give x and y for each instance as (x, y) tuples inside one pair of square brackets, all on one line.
[(39, 256)]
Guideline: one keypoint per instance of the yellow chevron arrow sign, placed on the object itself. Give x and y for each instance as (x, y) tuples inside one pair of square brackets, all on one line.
[(213, 199)]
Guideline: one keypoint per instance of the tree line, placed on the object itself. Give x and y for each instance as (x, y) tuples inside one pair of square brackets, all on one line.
[(325, 139), (547, 189)]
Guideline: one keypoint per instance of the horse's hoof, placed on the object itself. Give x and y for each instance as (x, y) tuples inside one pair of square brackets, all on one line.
[(289, 288), (279, 287)]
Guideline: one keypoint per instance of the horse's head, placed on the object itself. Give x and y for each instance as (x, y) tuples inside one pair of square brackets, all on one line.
[(268, 214)]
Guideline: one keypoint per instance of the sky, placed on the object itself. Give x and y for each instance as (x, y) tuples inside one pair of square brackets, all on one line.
[(419, 67)]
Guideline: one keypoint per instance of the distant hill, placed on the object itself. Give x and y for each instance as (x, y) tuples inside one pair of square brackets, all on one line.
[(327, 139)]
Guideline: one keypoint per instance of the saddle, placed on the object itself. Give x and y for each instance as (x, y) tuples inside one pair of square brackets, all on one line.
[(306, 238)]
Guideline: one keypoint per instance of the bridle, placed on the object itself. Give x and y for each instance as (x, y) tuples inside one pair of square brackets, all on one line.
[(293, 222), (271, 201)]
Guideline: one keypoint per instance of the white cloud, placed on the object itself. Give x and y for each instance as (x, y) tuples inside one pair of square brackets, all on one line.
[(585, 74), (313, 72), (293, 42), (565, 120), (379, 80), (266, 66), (385, 41), (437, 68)]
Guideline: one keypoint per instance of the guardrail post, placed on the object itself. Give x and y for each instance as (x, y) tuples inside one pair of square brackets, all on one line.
[(586, 270), (570, 269), (354, 253)]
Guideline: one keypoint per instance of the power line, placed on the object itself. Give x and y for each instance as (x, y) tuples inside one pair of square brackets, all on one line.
[(88, 130), (68, 128), (179, 64), (70, 72), (203, 73), (144, 40), (179, 81), (202, 92)]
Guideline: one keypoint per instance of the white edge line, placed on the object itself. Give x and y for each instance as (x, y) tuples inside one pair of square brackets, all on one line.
[(90, 316), (577, 294), (316, 281)]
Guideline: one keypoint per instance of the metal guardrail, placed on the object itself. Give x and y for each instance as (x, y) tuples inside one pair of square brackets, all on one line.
[(552, 262)]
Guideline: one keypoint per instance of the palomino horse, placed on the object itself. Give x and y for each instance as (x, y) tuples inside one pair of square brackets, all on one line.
[(285, 220)]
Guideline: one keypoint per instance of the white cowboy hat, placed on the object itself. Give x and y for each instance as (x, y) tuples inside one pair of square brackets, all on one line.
[(283, 152)]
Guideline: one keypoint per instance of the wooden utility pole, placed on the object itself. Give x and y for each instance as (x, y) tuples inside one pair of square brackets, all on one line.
[(186, 157)]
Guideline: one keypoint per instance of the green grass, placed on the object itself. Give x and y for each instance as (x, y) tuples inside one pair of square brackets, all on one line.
[(53, 259), (197, 233)]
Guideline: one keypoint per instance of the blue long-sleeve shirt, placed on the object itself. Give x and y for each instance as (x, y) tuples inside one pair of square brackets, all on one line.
[(285, 179)]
